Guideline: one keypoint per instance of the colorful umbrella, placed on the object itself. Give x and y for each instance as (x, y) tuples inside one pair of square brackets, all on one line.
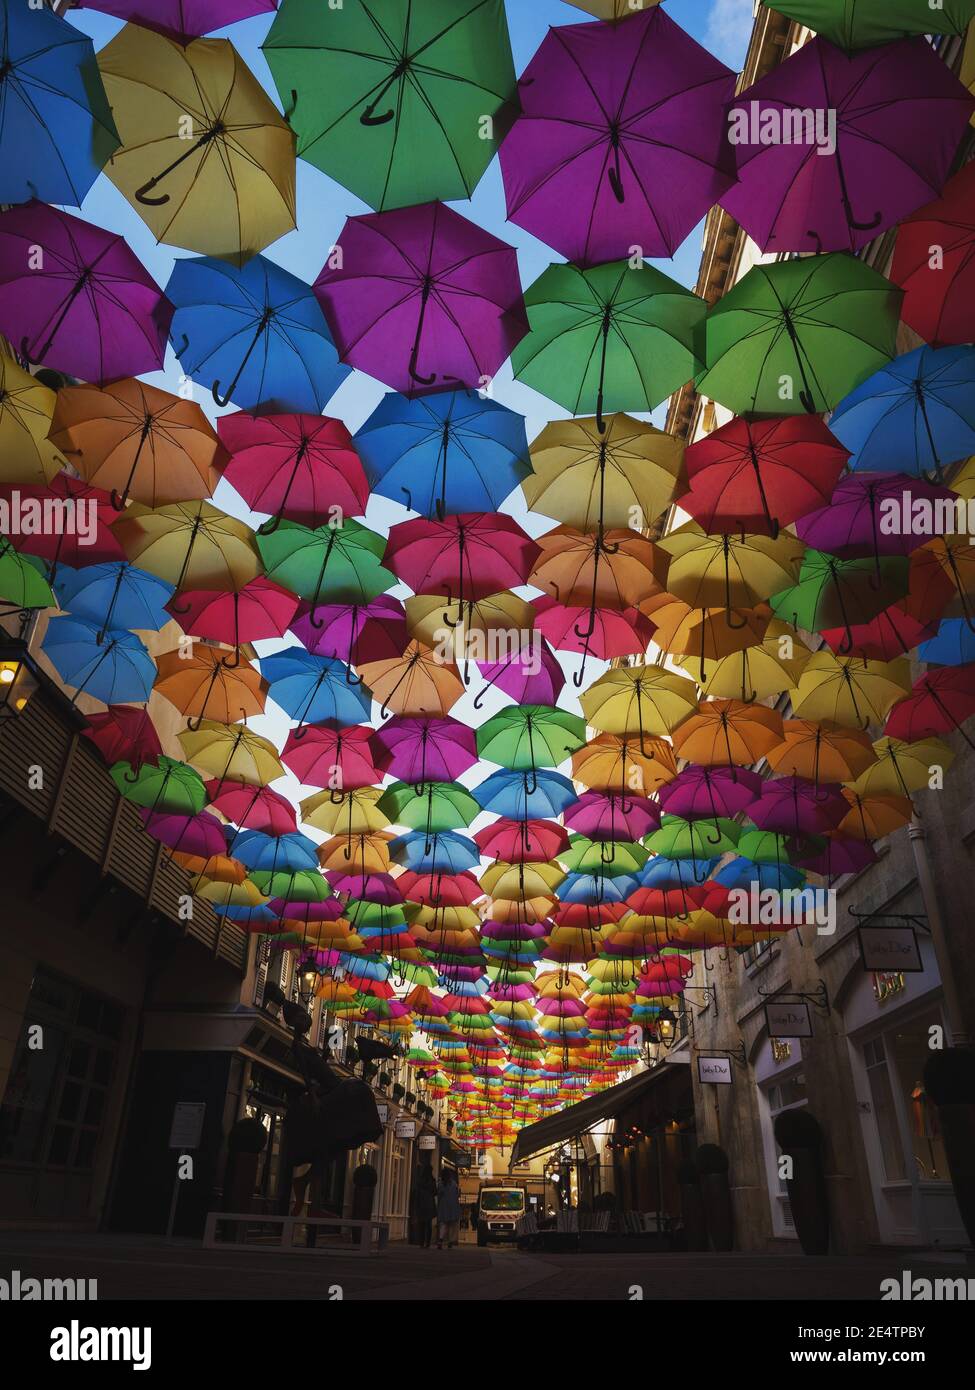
[(26, 406), (856, 24), (21, 583), (116, 594), (467, 556), (341, 760), (167, 786), (231, 753), (123, 734), (340, 563), (258, 610), (199, 682), (303, 467), (423, 299), (183, 19), (728, 733), (79, 517), (191, 545), (938, 285), (939, 703), (423, 748), (419, 681), (849, 690), (314, 689), (112, 666)]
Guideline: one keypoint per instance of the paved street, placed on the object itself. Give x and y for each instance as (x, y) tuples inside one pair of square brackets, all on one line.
[(127, 1267)]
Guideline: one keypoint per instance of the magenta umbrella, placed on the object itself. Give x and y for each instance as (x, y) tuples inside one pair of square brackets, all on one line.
[(900, 115), (252, 808), (261, 609), (303, 467), (853, 523), (610, 816), (467, 557), (328, 910), (531, 676), (840, 855), (421, 748), (74, 297), (353, 633), (182, 20), (423, 299), (622, 141), (793, 806), (371, 888), (700, 793), (201, 835)]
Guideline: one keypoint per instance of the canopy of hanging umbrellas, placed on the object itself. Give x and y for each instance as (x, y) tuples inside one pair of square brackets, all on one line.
[(539, 738)]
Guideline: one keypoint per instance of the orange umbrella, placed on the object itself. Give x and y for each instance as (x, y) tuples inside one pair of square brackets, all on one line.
[(134, 440), (218, 868), (725, 733), (199, 682), (821, 751), (611, 762), (709, 633), (356, 854), (873, 817), (418, 682), (610, 569)]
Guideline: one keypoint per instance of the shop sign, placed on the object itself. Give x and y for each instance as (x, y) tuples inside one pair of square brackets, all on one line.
[(886, 984), (186, 1130), (383, 1111), (789, 1020), (714, 1071), (427, 1141), (890, 950), (405, 1129)]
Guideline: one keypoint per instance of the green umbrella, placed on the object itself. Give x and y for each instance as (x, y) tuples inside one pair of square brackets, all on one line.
[(863, 23), (524, 737), (699, 839), (168, 786), (401, 102), (360, 913), (302, 886), (610, 338), (441, 806), (799, 335), (763, 847), (337, 564), (612, 857), (833, 593), (21, 583)]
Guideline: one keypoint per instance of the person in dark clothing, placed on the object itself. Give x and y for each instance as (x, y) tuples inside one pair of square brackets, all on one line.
[(425, 1202)]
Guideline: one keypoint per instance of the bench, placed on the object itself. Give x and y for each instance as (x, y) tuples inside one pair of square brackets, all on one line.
[(284, 1229)]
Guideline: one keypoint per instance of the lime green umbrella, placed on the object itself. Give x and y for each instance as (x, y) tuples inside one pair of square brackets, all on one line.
[(835, 593), (401, 102), (360, 913), (854, 24), (798, 335), (585, 856), (302, 886), (441, 806), (609, 338), (337, 564), (167, 785), (699, 839), (21, 583), (763, 847), (524, 737)]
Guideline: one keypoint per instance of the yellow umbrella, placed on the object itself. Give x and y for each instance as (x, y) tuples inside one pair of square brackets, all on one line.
[(26, 407), (638, 700), (729, 571), (515, 882), (206, 160), (467, 629), (758, 672), (624, 476), (902, 768), (850, 689), (245, 894), (192, 545), (354, 814), (232, 753), (441, 918)]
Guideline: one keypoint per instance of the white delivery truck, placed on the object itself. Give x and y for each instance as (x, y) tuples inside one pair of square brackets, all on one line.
[(500, 1206)]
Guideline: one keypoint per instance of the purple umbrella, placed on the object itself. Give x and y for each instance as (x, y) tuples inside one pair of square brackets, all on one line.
[(424, 300), (201, 835), (623, 140), (371, 888), (706, 792), (841, 855), (421, 748), (610, 816), (855, 522), (834, 148), (533, 676), (793, 806), (328, 910), (182, 20), (374, 631), (514, 931), (76, 298)]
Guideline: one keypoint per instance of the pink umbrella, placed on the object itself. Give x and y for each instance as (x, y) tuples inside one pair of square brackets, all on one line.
[(202, 834), (421, 748), (467, 557), (793, 806), (440, 890), (532, 676), (609, 816), (423, 300), (340, 759), (261, 609), (372, 888), (253, 808), (303, 467), (706, 792), (852, 523), (76, 298), (523, 841)]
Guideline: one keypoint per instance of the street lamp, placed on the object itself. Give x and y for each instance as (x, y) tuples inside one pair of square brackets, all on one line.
[(17, 685), (307, 980)]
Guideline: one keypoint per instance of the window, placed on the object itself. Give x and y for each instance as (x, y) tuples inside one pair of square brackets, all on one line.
[(907, 1122), (884, 1113)]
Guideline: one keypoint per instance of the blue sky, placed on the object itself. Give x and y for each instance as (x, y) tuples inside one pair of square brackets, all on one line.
[(723, 26)]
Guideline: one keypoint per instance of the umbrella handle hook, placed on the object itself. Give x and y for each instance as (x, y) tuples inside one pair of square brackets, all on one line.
[(268, 527), (142, 195), (231, 663), (182, 347), (367, 118)]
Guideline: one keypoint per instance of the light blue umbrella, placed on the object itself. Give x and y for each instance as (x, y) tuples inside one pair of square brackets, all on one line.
[(525, 795), (442, 852), (112, 666), (313, 689), (115, 594), (274, 853), (661, 872)]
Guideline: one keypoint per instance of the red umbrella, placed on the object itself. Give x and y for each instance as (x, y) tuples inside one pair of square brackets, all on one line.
[(84, 515), (303, 467), (939, 703), (261, 609), (522, 841), (600, 632), (440, 890), (467, 557), (341, 759), (253, 808), (939, 290), (122, 733), (757, 475), (894, 632)]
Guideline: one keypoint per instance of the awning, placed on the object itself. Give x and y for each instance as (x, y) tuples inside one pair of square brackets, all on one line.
[(576, 1119)]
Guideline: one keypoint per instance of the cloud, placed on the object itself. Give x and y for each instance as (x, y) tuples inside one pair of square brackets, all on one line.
[(729, 29)]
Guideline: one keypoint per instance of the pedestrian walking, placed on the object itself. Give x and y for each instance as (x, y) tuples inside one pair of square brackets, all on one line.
[(425, 1202), (448, 1210)]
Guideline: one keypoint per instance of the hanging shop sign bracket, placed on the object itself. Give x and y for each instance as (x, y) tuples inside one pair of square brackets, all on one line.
[(888, 941)]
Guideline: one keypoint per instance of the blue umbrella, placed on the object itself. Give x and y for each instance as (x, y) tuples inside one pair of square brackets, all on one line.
[(742, 873), (660, 872), (56, 127), (596, 888), (115, 594), (442, 852), (111, 666), (313, 689), (916, 415), (952, 645), (507, 793), (246, 916), (274, 853), (454, 452), (256, 332)]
